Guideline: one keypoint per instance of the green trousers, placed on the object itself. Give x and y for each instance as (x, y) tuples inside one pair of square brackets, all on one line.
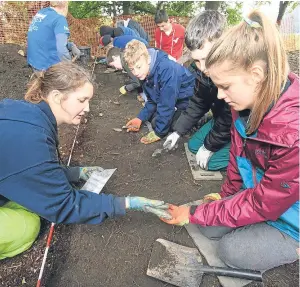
[(219, 159), (18, 229)]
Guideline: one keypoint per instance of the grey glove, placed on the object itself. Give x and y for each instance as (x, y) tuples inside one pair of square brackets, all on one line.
[(74, 50)]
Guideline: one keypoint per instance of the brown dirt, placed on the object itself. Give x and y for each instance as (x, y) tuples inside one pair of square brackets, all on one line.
[(115, 253)]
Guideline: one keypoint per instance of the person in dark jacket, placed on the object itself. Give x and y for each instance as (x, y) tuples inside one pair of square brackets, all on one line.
[(211, 143), (115, 58), (33, 183), (255, 216), (167, 85), (134, 25), (117, 32), (120, 41)]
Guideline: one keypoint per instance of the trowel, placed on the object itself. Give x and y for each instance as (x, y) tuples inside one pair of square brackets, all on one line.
[(159, 151), (183, 266)]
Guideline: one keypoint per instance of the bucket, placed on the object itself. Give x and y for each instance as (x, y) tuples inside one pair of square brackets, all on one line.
[(85, 54)]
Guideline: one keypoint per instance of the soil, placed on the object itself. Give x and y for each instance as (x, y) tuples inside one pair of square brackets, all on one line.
[(115, 253)]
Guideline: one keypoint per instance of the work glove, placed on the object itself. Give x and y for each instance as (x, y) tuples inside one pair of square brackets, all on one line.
[(211, 197), (86, 171), (134, 125), (180, 215), (74, 50), (123, 90), (150, 138), (101, 61), (203, 156), (171, 140), (156, 207)]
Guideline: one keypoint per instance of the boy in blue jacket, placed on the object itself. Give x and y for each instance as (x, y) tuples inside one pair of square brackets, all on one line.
[(167, 85), (119, 31), (120, 41)]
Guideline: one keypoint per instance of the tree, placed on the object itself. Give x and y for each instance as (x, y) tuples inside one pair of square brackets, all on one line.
[(180, 8), (212, 5), (159, 5), (143, 7), (232, 11), (282, 9), (87, 9), (127, 7)]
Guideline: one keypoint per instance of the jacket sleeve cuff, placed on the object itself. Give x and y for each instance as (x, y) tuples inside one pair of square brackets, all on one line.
[(119, 206), (159, 134), (141, 116), (196, 215), (72, 173), (193, 209), (129, 87)]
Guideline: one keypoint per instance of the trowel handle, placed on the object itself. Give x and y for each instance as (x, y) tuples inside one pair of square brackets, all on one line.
[(232, 272)]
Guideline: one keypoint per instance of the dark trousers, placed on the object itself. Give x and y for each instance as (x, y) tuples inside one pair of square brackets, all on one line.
[(173, 122)]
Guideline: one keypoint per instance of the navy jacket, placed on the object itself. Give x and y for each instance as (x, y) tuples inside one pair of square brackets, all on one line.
[(129, 31), (167, 86), (121, 41), (30, 173)]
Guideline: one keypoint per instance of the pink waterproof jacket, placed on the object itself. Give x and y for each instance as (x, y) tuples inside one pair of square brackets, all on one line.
[(266, 183)]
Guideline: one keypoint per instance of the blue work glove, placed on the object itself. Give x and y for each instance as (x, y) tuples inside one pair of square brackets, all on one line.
[(86, 171), (157, 207), (101, 61)]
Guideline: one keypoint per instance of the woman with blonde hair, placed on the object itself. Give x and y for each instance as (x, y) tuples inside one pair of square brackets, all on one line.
[(33, 183), (255, 216)]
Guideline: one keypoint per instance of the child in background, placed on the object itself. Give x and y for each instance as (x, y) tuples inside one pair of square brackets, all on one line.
[(169, 37)]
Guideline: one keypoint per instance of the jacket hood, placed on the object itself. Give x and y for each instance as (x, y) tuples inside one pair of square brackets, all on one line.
[(156, 57), (35, 114), (281, 125)]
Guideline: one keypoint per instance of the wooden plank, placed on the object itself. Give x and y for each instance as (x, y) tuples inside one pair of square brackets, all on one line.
[(197, 172)]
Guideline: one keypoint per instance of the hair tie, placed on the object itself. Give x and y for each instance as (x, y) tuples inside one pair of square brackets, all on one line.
[(251, 23)]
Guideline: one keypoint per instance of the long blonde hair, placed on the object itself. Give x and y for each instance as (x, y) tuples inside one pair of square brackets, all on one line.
[(64, 77), (255, 39)]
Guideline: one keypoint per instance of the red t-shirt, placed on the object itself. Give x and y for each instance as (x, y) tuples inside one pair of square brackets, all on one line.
[(172, 44)]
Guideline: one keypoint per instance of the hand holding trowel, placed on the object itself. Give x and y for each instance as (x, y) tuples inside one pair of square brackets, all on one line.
[(169, 144)]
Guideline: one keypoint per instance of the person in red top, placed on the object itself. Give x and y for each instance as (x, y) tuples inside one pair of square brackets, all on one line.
[(255, 215), (169, 37)]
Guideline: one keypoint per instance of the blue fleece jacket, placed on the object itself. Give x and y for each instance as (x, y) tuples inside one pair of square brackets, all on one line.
[(121, 41), (129, 31), (167, 86), (32, 175)]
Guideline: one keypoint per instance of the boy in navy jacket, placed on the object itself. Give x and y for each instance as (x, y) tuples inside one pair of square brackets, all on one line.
[(167, 85)]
